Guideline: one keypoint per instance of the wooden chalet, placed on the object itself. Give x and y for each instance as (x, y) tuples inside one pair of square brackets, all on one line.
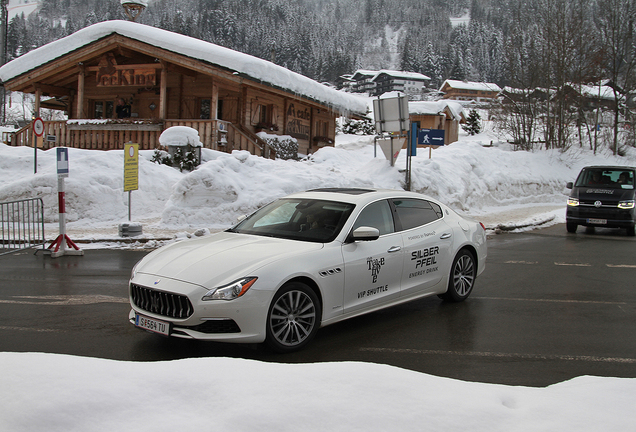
[(470, 91), (121, 81), (442, 115)]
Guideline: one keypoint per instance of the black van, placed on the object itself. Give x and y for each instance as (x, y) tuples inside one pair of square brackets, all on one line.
[(603, 196)]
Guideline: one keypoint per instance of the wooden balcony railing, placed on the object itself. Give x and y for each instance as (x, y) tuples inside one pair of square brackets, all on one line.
[(110, 135)]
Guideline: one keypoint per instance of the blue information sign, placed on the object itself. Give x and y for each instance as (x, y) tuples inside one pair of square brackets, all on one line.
[(62, 161), (431, 137)]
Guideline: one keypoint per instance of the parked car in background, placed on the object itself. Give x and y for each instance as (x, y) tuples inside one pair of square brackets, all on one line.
[(602, 196), (305, 261)]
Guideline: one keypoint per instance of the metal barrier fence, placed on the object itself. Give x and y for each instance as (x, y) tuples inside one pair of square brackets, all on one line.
[(21, 225)]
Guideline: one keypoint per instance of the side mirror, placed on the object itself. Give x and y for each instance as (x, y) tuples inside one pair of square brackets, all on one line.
[(569, 185), (365, 233)]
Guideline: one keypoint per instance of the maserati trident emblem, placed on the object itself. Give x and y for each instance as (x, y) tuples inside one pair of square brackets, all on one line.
[(597, 204)]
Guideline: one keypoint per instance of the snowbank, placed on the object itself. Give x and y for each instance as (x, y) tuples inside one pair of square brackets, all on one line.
[(49, 393)]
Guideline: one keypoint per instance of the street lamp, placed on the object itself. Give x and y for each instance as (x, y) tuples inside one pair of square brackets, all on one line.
[(134, 7)]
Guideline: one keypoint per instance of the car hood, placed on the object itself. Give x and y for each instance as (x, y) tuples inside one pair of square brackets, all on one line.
[(602, 193), (220, 258)]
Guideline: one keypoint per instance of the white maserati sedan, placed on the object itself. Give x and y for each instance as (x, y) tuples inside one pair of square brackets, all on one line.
[(304, 261)]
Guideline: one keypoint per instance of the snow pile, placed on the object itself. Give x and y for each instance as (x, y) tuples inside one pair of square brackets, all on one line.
[(180, 136), (470, 175), (49, 392)]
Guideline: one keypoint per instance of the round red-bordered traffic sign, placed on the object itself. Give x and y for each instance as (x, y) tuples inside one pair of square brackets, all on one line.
[(38, 126)]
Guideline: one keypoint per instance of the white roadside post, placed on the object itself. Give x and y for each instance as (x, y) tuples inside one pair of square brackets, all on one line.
[(63, 244)]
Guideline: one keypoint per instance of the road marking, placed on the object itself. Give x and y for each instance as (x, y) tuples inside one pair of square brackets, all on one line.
[(504, 355), (572, 264), (552, 300), (65, 300), (28, 329)]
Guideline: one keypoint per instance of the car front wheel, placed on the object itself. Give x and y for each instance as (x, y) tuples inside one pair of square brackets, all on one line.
[(462, 277), (293, 318)]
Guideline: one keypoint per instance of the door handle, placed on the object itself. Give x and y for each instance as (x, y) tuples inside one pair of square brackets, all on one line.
[(445, 236), (394, 249)]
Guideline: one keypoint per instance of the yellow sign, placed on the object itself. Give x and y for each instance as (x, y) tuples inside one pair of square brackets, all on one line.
[(131, 167)]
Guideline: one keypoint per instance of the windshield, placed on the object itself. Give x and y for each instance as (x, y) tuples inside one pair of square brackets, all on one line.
[(608, 178), (298, 219)]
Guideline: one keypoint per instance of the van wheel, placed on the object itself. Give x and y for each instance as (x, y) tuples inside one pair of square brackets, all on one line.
[(631, 231), (571, 227)]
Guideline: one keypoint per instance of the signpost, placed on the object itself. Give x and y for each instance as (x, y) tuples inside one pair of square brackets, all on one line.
[(392, 116), (63, 244), (38, 131), (430, 138), (131, 183)]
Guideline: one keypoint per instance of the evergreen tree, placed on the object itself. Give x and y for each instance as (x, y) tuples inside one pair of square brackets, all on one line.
[(473, 123)]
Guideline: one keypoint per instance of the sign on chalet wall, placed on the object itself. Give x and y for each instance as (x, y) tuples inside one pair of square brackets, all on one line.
[(128, 77), (298, 121), (109, 73)]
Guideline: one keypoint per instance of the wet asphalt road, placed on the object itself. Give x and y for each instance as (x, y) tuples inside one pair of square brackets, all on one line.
[(550, 306)]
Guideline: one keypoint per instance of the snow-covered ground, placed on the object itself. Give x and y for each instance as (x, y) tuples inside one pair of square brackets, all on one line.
[(58, 393), (47, 392)]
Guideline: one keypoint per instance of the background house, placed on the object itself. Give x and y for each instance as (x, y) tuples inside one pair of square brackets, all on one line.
[(470, 91), (376, 83), (445, 115)]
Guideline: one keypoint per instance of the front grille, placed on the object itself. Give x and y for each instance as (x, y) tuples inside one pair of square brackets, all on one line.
[(160, 302)]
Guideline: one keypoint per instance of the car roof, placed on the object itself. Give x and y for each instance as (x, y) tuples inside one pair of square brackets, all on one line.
[(609, 167), (356, 195)]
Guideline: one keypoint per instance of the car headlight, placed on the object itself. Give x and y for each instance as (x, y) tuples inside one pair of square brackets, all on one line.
[(231, 291), (629, 204), (573, 202), (134, 270)]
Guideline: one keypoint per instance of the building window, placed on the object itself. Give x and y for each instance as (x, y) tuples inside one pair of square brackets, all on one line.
[(103, 109), (204, 107)]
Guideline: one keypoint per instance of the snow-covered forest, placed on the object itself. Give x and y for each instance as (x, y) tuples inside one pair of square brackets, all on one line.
[(526, 44), (520, 42)]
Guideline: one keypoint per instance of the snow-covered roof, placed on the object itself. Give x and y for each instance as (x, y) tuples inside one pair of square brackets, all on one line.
[(373, 74), (437, 108), (471, 85), (402, 75), (135, 2), (602, 92), (249, 66)]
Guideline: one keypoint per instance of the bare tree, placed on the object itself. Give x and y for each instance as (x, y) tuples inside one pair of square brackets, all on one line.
[(615, 21)]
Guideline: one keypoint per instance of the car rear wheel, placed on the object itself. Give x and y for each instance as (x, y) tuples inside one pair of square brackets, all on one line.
[(462, 277), (293, 318)]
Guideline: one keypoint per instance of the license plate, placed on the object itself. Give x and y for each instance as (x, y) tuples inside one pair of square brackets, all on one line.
[(597, 221), (152, 325)]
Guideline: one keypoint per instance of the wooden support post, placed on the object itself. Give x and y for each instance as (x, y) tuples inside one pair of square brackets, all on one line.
[(163, 93), (79, 113), (38, 96)]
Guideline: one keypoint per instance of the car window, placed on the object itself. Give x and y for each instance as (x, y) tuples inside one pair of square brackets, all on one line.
[(608, 178), (376, 215), (412, 213), (298, 219)]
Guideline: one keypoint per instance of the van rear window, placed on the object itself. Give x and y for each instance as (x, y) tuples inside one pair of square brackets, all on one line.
[(609, 178)]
